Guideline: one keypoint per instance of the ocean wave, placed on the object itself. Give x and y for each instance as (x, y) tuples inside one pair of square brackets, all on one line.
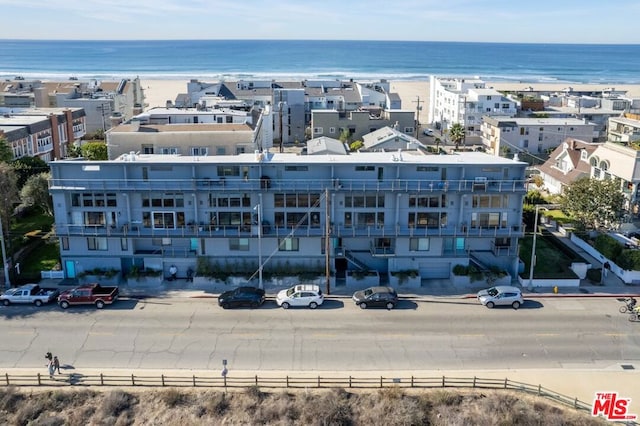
[(299, 76)]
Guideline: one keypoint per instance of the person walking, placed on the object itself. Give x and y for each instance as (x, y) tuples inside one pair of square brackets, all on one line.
[(56, 364), (51, 368), (173, 272)]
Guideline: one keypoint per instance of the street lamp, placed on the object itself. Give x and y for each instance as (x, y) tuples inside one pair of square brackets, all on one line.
[(258, 208)]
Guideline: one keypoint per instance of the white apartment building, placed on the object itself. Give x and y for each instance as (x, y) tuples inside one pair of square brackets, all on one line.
[(624, 129), (535, 135), (465, 101)]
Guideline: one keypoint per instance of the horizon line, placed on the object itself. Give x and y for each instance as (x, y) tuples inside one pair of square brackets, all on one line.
[(323, 40)]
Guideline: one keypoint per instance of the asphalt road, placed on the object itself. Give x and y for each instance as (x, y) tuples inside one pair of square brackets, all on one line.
[(183, 333)]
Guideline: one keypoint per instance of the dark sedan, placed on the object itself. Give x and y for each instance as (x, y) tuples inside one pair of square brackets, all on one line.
[(242, 296), (383, 297)]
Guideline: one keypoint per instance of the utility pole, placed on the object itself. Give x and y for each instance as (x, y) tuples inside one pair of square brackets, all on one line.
[(5, 265), (327, 244), (418, 109)]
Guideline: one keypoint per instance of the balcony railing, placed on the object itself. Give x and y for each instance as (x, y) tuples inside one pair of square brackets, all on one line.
[(246, 231), (223, 184)]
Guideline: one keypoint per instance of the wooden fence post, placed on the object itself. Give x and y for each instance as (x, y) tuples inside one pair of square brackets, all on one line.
[(39, 383), (256, 380), (162, 379), (380, 381), (474, 381), (506, 381), (411, 381), (101, 380), (318, 381), (225, 381), (194, 380), (442, 381), (539, 390), (133, 380), (287, 381), (6, 377), (349, 381)]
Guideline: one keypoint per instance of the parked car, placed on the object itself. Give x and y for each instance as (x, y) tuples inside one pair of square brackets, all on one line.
[(300, 295), (88, 294), (379, 296), (242, 296), (29, 293), (502, 295), (427, 132)]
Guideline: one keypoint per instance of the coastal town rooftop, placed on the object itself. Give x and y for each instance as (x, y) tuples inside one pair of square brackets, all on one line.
[(391, 157)]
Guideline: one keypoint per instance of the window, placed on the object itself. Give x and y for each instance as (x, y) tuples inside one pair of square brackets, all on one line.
[(97, 243), (221, 150), (317, 130), (288, 244), (228, 170), (164, 220), (487, 220), (427, 169), (419, 244), (124, 244), (409, 130), (296, 168), (64, 243), (238, 244), (169, 150), (94, 219), (147, 148), (365, 168), (332, 130), (199, 151)]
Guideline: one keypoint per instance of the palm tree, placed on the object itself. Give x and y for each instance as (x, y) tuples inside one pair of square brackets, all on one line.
[(456, 134), (438, 142)]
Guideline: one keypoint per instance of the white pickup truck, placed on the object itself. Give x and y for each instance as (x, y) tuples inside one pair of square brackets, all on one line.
[(29, 293)]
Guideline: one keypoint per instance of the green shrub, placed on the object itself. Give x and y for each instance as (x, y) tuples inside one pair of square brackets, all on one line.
[(460, 270), (608, 246), (628, 260)]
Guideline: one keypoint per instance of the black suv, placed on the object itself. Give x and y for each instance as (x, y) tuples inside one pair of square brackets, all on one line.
[(380, 296), (242, 296)]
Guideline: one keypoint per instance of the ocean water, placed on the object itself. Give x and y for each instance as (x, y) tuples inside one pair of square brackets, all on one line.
[(361, 60)]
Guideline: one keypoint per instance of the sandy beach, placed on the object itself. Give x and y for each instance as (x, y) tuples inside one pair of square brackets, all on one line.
[(412, 93)]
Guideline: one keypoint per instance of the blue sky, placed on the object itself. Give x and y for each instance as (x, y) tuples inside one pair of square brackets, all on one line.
[(538, 21)]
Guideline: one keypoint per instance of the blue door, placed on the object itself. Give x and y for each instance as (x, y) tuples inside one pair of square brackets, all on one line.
[(70, 267)]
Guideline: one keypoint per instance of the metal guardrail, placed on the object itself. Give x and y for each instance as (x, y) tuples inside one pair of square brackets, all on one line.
[(288, 382)]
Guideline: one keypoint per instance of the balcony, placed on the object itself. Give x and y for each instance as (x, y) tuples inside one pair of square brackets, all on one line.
[(135, 230), (238, 184)]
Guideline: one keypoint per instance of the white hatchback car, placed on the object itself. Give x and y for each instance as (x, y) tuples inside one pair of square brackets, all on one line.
[(300, 295), (501, 295)]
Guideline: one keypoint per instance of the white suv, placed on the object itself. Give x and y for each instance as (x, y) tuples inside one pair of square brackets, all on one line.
[(501, 295), (300, 295)]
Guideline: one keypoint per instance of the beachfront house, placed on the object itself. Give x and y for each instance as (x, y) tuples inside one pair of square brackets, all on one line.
[(105, 103), (381, 211), (292, 102), (566, 164), (192, 132), (333, 123), (465, 101), (46, 133), (503, 135)]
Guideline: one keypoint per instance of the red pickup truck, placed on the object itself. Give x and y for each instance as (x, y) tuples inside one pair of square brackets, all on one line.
[(88, 294)]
